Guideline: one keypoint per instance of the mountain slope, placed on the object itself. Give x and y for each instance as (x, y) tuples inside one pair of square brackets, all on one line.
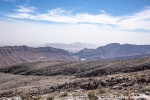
[(19, 54), (114, 50), (79, 68)]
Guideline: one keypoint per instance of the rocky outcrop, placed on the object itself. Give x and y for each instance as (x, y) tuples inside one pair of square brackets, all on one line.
[(89, 85), (79, 68), (20, 54), (114, 51), (108, 76)]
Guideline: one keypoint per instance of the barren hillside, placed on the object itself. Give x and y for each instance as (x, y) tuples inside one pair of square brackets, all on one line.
[(79, 68), (106, 77), (20, 54), (114, 51)]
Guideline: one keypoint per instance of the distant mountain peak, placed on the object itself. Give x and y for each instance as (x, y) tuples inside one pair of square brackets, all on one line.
[(114, 50), (72, 47), (113, 44)]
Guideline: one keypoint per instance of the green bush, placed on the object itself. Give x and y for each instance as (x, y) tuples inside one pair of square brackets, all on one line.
[(37, 98), (91, 96), (126, 93), (63, 95)]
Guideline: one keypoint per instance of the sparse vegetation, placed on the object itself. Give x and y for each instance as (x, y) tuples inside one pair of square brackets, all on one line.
[(120, 87), (102, 91), (63, 95), (126, 93), (41, 78), (50, 98), (37, 98), (92, 96), (78, 68)]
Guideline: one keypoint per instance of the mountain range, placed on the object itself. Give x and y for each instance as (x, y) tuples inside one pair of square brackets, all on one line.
[(33, 73), (114, 51), (72, 47), (20, 54)]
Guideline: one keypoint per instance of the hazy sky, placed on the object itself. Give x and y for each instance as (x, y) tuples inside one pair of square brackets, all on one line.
[(36, 22)]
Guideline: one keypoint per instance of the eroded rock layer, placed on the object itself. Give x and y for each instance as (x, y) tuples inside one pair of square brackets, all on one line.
[(19, 54)]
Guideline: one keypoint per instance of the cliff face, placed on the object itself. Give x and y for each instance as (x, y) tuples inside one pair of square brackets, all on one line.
[(113, 51), (19, 54)]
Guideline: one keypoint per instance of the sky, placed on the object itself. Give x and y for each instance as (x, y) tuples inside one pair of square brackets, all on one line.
[(36, 22)]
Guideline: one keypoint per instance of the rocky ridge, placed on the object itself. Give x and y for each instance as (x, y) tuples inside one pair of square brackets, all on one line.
[(79, 69), (114, 51), (19, 54)]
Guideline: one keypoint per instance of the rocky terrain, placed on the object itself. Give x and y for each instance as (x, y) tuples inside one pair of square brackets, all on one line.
[(114, 51), (79, 68), (77, 80), (10, 55), (19, 54)]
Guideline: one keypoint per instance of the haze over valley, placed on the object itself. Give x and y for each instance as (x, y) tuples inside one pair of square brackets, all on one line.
[(75, 50), (72, 47)]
